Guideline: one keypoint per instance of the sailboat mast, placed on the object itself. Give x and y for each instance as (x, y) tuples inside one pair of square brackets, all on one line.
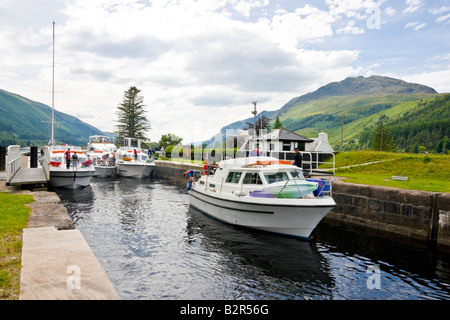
[(53, 89)]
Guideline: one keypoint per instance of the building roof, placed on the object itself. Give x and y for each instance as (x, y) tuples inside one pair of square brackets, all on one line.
[(285, 135)]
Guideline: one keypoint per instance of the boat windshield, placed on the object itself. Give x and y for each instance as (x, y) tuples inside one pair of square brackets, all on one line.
[(276, 177), (297, 174)]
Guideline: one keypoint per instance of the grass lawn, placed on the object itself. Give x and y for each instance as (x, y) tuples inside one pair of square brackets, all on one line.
[(425, 172), (13, 218)]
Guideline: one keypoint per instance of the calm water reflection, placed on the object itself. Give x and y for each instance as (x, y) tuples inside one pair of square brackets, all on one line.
[(153, 245)]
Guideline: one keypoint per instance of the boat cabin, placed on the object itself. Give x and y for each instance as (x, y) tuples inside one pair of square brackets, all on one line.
[(245, 175)]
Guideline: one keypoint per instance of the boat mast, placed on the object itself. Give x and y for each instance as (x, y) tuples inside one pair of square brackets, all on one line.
[(52, 141), (254, 112)]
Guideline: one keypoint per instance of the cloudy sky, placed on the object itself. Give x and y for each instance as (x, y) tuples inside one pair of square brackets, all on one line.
[(200, 64)]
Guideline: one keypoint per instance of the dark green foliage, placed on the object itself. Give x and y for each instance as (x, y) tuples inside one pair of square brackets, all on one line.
[(277, 124), (131, 115), (382, 139), (428, 126)]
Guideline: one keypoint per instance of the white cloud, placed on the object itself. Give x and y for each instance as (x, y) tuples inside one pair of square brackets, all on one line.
[(415, 25), (413, 5), (305, 24), (443, 18), (440, 10), (350, 29), (357, 9), (390, 11), (436, 79)]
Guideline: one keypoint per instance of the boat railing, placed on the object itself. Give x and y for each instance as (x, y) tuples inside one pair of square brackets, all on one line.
[(314, 162)]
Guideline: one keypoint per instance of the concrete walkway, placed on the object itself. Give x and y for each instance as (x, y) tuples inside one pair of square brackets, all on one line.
[(57, 263)]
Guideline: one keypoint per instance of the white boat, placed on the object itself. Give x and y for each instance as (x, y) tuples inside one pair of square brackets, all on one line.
[(132, 161), (102, 151), (78, 176), (263, 193)]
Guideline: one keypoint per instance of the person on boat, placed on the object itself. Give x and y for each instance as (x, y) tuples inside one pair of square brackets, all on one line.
[(67, 155), (297, 158), (191, 174), (135, 155), (255, 152), (74, 160)]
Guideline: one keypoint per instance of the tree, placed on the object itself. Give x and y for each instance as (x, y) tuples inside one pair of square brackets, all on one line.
[(261, 123), (169, 140), (382, 139), (277, 124), (131, 115)]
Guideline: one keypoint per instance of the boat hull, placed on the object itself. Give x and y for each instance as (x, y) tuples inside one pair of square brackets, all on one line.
[(70, 179), (134, 170), (295, 217), (104, 171)]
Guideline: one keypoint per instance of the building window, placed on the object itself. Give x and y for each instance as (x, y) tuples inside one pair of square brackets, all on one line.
[(286, 146)]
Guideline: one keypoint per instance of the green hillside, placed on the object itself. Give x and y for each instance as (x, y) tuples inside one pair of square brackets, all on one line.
[(350, 109), (354, 105), (25, 122)]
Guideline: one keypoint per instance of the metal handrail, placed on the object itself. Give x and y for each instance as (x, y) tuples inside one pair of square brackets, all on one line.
[(12, 162), (46, 163)]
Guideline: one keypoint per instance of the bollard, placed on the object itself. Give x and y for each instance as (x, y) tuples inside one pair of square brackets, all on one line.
[(33, 156), (2, 158)]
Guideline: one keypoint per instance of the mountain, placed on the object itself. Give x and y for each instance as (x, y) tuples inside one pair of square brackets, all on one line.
[(354, 105), (25, 122), (361, 86)]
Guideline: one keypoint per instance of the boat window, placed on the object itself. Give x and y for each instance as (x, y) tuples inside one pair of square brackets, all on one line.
[(252, 178), (275, 177), (297, 174), (234, 177)]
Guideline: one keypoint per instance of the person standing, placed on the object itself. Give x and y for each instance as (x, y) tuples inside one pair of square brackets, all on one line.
[(67, 155), (297, 158)]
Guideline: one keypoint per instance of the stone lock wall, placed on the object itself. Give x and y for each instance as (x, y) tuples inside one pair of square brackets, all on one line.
[(416, 214), (444, 219)]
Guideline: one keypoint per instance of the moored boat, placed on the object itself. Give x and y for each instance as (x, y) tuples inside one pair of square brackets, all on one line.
[(265, 194), (102, 151), (76, 175), (132, 161)]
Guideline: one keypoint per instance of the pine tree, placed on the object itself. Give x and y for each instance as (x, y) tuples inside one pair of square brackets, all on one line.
[(277, 124), (382, 139), (131, 115)]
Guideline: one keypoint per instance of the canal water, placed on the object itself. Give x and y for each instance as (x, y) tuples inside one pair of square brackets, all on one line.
[(154, 246)]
